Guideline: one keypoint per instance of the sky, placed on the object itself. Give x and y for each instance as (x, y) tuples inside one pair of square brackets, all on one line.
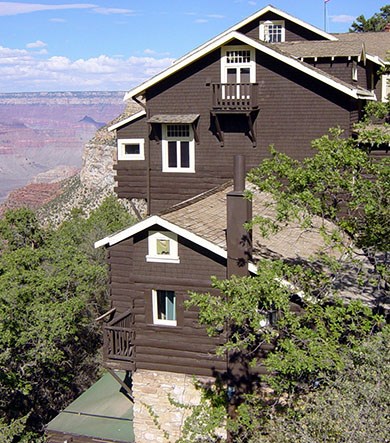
[(114, 45)]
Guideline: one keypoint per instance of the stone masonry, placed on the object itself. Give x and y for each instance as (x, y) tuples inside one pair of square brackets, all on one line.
[(156, 419)]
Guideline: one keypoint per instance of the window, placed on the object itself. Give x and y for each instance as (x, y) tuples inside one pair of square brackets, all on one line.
[(272, 31), (162, 247), (164, 307), (238, 65), (131, 149), (178, 148), (385, 87), (354, 71)]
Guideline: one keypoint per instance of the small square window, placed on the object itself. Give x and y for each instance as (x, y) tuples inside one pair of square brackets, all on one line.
[(162, 247), (164, 307), (131, 149)]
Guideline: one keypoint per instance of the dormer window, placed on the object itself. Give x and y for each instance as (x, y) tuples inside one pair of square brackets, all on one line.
[(272, 31), (162, 247)]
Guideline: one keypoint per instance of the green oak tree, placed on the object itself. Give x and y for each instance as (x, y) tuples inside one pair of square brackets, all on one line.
[(53, 285)]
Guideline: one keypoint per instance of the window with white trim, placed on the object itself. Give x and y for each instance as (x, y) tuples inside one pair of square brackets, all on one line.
[(354, 71), (385, 87), (238, 64), (162, 247), (164, 307), (131, 149), (178, 148), (272, 31)]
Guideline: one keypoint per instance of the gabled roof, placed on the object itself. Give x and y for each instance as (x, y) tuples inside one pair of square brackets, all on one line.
[(377, 44), (257, 15), (262, 47), (127, 120), (345, 47)]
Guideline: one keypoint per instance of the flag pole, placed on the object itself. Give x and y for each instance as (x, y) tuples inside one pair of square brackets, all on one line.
[(325, 2)]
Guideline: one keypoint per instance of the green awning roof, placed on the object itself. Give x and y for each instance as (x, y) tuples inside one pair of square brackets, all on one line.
[(102, 412)]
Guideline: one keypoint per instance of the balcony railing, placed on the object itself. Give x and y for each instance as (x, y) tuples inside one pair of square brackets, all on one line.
[(118, 340), (234, 97)]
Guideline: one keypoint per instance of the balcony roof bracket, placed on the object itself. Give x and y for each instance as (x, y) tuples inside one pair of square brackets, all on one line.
[(219, 131), (252, 133)]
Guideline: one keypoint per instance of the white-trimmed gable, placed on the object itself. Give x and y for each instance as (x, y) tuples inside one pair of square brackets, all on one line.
[(262, 47), (154, 221)]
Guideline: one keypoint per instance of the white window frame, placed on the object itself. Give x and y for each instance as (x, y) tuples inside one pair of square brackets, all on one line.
[(154, 256), (264, 24), (385, 86), (354, 71), (122, 142), (225, 65), (166, 139), (160, 321)]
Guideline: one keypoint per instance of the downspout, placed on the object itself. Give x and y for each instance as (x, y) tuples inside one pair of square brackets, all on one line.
[(147, 157)]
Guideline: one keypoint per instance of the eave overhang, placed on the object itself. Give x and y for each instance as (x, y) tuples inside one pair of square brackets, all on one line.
[(127, 120)]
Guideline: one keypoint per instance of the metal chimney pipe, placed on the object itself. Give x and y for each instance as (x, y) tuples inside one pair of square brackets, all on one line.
[(239, 211)]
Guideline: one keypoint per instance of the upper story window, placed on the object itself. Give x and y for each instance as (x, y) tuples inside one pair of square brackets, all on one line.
[(164, 307), (162, 247), (238, 65), (354, 71), (272, 31), (178, 148), (131, 149), (385, 87)]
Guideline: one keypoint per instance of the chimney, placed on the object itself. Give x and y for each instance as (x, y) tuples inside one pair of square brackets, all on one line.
[(239, 211)]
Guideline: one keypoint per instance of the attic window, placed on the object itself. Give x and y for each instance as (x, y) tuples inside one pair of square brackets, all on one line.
[(131, 149), (162, 247), (272, 31)]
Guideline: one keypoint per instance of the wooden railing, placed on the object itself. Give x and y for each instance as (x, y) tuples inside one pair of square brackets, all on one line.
[(234, 96), (118, 339)]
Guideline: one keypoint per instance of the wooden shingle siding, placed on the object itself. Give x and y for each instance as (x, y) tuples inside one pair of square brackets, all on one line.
[(293, 31), (293, 110)]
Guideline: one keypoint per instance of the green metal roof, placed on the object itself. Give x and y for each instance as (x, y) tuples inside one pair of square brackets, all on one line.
[(102, 412)]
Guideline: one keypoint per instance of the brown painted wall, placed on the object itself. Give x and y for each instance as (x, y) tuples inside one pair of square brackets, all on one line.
[(185, 348), (294, 109)]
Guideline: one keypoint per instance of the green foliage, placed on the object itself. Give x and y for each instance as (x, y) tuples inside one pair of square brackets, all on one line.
[(52, 286), (376, 23), (318, 378), (340, 183)]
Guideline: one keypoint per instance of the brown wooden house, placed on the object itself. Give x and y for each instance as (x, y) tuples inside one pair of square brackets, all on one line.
[(270, 79)]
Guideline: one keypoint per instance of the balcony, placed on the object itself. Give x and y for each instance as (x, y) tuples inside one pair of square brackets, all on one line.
[(118, 342), (234, 97)]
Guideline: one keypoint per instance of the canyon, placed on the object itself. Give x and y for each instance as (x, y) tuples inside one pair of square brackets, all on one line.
[(43, 136)]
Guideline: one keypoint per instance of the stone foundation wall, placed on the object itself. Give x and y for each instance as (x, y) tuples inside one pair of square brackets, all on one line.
[(155, 418)]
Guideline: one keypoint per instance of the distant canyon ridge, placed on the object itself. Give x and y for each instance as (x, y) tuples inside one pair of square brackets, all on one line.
[(42, 135)]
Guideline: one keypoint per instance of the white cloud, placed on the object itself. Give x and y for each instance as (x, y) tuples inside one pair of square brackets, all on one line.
[(15, 8), (36, 44), (23, 70), (342, 18), (215, 16), (57, 20), (201, 20), (108, 11)]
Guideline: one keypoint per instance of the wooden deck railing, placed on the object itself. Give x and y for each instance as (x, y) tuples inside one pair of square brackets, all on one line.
[(118, 339), (234, 96)]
